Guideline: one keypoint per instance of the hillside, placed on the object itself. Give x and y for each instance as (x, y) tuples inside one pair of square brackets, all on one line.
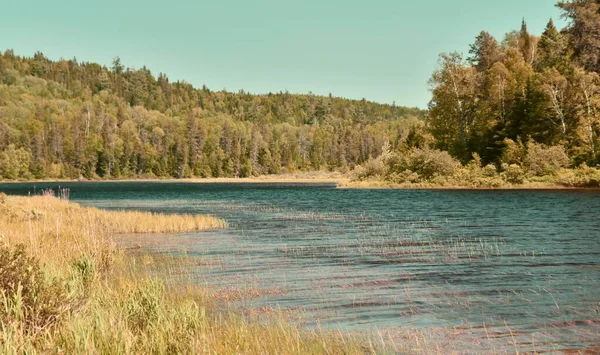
[(65, 119)]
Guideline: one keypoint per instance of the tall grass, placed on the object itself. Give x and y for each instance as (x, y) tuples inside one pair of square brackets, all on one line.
[(67, 288)]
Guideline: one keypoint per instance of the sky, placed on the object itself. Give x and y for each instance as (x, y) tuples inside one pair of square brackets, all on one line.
[(381, 50)]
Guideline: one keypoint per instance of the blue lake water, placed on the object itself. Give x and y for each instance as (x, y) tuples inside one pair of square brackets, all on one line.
[(524, 263)]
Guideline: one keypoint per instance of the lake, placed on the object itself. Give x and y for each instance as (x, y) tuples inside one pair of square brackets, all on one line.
[(503, 267)]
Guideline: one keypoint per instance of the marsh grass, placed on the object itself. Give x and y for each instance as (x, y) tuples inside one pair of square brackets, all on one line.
[(67, 288)]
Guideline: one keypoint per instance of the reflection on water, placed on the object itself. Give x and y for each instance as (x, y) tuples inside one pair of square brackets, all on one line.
[(519, 266)]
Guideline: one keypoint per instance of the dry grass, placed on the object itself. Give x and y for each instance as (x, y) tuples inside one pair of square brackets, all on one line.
[(57, 231), (67, 288), (147, 222)]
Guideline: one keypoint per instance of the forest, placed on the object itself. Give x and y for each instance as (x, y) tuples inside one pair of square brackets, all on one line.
[(524, 101), (525, 88), (66, 119), (523, 109)]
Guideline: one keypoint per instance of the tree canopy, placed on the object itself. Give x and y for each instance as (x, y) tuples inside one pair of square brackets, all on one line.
[(66, 119), (544, 89)]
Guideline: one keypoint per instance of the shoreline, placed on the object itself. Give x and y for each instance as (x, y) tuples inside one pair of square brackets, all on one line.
[(342, 183)]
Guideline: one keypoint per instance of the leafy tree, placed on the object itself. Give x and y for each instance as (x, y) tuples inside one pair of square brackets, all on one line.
[(453, 105)]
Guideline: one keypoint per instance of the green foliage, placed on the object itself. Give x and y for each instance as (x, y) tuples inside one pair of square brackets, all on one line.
[(513, 153), (418, 165), (583, 176), (142, 307), (542, 160), (513, 173), (85, 268), (64, 119), (14, 163), (26, 294), (374, 168), (542, 88)]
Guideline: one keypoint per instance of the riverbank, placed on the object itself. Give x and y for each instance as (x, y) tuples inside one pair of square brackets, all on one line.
[(566, 179), (311, 177), (385, 185), (67, 287)]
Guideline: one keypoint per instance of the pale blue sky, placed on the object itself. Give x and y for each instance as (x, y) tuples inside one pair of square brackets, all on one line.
[(382, 50)]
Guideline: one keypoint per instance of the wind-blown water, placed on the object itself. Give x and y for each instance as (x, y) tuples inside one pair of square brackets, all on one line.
[(518, 264)]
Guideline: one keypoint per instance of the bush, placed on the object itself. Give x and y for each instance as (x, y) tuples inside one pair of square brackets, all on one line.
[(583, 176), (85, 269), (542, 160), (27, 295), (513, 153), (372, 168), (513, 173), (426, 163)]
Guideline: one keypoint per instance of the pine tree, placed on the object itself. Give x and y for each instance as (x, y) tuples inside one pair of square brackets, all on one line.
[(551, 48), (484, 52), (584, 31)]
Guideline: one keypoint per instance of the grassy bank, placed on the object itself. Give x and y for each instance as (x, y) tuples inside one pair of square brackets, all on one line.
[(67, 288)]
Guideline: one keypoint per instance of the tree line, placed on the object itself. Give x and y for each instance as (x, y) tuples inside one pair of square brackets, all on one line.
[(66, 119)]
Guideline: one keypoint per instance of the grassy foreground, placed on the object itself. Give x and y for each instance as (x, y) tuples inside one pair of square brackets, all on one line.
[(65, 287)]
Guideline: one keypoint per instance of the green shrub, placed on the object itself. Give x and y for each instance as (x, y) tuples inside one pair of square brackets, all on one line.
[(27, 295), (426, 163), (583, 176), (405, 176), (490, 170), (85, 269), (513, 153), (373, 168), (142, 307), (542, 160), (513, 173)]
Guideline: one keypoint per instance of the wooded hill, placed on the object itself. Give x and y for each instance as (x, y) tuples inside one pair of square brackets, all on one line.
[(65, 119)]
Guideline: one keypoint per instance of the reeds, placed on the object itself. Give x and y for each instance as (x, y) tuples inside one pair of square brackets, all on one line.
[(67, 288)]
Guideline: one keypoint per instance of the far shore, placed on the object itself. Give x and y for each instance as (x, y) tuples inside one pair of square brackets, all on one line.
[(341, 182), (250, 180)]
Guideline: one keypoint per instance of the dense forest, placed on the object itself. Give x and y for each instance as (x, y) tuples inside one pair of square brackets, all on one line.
[(523, 101), (523, 110), (66, 119), (523, 89)]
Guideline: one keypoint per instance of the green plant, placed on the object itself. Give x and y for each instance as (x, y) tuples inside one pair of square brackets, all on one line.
[(426, 163), (542, 160), (513, 173), (28, 296), (142, 307), (85, 269)]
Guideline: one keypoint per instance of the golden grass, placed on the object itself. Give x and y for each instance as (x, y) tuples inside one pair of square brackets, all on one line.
[(147, 222), (57, 231), (87, 296)]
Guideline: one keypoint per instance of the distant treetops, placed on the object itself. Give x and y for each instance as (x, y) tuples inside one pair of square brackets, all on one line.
[(65, 119)]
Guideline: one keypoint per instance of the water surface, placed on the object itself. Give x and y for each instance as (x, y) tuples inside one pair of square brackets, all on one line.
[(520, 265)]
